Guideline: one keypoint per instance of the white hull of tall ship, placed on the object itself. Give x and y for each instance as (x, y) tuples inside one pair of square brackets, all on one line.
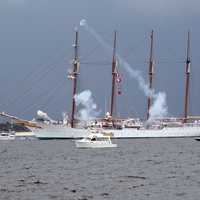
[(60, 132), (64, 132), (167, 132)]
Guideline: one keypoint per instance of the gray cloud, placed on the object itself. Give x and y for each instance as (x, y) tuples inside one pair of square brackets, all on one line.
[(160, 7), (36, 38)]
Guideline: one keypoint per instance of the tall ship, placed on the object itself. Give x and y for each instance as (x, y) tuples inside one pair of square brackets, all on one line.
[(121, 128), (62, 132)]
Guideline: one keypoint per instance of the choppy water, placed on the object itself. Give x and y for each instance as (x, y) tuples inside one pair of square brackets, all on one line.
[(139, 169)]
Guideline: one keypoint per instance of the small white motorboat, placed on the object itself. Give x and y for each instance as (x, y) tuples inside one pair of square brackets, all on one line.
[(95, 140), (7, 136)]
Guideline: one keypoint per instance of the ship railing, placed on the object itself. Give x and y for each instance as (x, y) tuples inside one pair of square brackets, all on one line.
[(195, 124)]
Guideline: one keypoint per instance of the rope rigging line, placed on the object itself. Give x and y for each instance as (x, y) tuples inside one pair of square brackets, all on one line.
[(132, 49), (96, 63), (39, 69), (170, 61), (29, 90), (47, 96), (90, 52), (44, 70), (50, 99)]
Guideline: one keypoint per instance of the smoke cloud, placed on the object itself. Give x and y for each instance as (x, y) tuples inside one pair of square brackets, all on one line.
[(65, 117), (159, 107), (88, 108), (84, 24), (44, 116), (160, 7)]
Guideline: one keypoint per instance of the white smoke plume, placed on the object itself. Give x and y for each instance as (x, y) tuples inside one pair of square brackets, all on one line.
[(43, 116), (89, 108), (65, 117), (159, 107), (107, 47)]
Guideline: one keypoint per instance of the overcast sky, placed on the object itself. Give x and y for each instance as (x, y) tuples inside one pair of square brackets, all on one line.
[(36, 39)]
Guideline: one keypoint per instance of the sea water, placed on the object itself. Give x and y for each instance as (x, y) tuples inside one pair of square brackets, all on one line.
[(156, 169)]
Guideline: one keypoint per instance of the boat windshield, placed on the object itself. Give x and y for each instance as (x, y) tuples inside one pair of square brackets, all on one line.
[(100, 139)]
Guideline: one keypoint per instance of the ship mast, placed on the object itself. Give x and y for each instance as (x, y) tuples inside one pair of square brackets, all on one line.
[(74, 76), (187, 83), (151, 73), (114, 73)]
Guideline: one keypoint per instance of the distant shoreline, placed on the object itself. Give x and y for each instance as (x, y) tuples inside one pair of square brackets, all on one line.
[(6, 127)]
